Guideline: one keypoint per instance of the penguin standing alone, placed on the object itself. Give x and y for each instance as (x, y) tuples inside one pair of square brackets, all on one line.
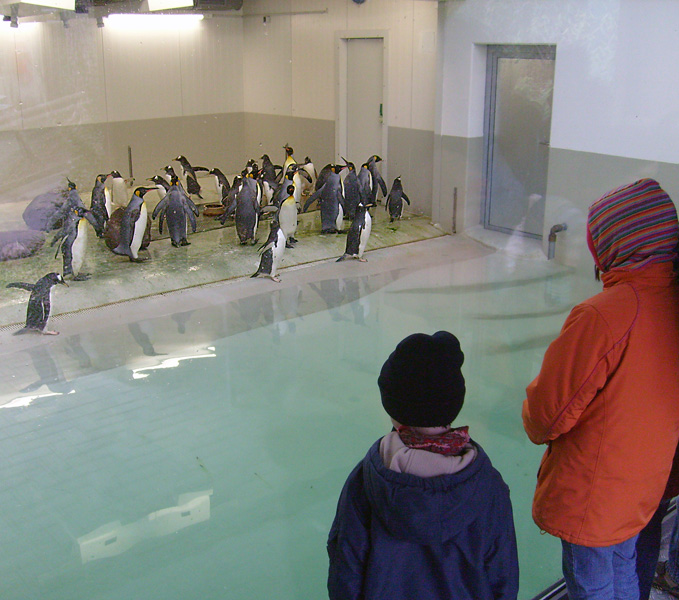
[(394, 203), (72, 239), (359, 233), (39, 302), (272, 253), (133, 226)]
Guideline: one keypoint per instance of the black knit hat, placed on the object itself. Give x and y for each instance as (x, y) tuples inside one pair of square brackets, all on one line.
[(421, 383)]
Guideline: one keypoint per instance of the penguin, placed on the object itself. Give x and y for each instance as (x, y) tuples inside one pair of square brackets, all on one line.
[(272, 253), (223, 185), (133, 226), (365, 181), (331, 202), (168, 173), (119, 198), (295, 176), (192, 185), (287, 217), (394, 203), (39, 302), (72, 241), (100, 204), (289, 159), (269, 170), (161, 185), (247, 210), (176, 206), (376, 178), (71, 200), (359, 233), (350, 190), (230, 201), (308, 166)]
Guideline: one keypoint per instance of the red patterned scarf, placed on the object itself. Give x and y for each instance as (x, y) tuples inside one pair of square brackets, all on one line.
[(450, 443)]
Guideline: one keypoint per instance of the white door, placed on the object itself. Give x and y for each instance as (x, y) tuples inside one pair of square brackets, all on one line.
[(364, 100)]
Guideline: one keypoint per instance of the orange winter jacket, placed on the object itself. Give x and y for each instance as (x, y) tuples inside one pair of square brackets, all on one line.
[(606, 403)]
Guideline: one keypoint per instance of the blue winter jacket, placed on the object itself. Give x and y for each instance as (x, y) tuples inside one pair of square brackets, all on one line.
[(402, 537)]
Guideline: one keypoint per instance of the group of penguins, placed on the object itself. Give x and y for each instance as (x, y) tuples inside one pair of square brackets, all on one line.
[(258, 190)]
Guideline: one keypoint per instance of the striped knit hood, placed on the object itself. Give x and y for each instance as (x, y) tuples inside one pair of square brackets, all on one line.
[(633, 226)]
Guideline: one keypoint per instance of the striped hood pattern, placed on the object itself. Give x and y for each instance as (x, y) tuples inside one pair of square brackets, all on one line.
[(633, 226)]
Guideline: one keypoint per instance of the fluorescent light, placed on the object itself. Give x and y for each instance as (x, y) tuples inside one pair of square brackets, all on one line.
[(148, 22), (169, 4)]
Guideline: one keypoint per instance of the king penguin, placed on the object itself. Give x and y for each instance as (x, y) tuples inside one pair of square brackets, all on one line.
[(176, 207), (350, 190), (287, 217), (359, 233), (330, 200), (272, 253), (72, 241), (247, 210), (133, 225), (376, 178), (289, 159), (394, 203), (39, 302), (100, 204)]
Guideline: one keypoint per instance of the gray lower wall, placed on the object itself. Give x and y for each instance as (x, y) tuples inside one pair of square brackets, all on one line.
[(411, 155), (576, 179)]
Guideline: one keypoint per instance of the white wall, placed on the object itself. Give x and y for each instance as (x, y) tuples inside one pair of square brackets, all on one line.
[(52, 76), (290, 61), (615, 85)]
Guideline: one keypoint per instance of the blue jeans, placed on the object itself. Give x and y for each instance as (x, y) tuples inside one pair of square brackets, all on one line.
[(673, 551), (648, 550), (607, 573)]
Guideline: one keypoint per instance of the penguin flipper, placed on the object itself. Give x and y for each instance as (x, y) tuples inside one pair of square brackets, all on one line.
[(192, 220), (405, 197), (161, 206), (21, 285), (380, 181), (313, 197)]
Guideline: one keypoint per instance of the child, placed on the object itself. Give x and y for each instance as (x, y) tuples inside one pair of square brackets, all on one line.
[(424, 515)]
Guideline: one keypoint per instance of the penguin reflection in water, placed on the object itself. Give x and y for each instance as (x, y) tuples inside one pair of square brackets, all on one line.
[(272, 253), (72, 241), (39, 302), (133, 226)]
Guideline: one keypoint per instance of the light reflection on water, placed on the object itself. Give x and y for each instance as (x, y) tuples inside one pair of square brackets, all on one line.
[(131, 465)]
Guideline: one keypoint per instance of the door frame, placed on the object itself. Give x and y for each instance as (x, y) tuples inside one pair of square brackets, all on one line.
[(341, 40), (493, 52)]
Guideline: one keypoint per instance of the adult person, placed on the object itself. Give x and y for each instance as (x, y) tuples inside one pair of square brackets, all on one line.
[(606, 400)]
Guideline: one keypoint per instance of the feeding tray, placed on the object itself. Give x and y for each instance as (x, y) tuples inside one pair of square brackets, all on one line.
[(213, 210)]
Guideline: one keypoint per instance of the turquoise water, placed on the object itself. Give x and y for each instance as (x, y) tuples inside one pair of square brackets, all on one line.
[(200, 454)]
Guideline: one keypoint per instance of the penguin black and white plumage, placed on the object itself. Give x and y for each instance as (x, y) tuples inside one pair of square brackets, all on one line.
[(394, 203), (71, 200), (176, 207), (271, 253), (247, 210), (133, 226), (377, 180), (72, 241), (295, 176), (231, 199), (39, 302), (168, 173), (289, 158), (308, 166), (119, 198), (100, 204), (350, 190), (223, 185), (192, 185), (359, 233), (161, 185), (269, 171), (287, 216), (330, 200)]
